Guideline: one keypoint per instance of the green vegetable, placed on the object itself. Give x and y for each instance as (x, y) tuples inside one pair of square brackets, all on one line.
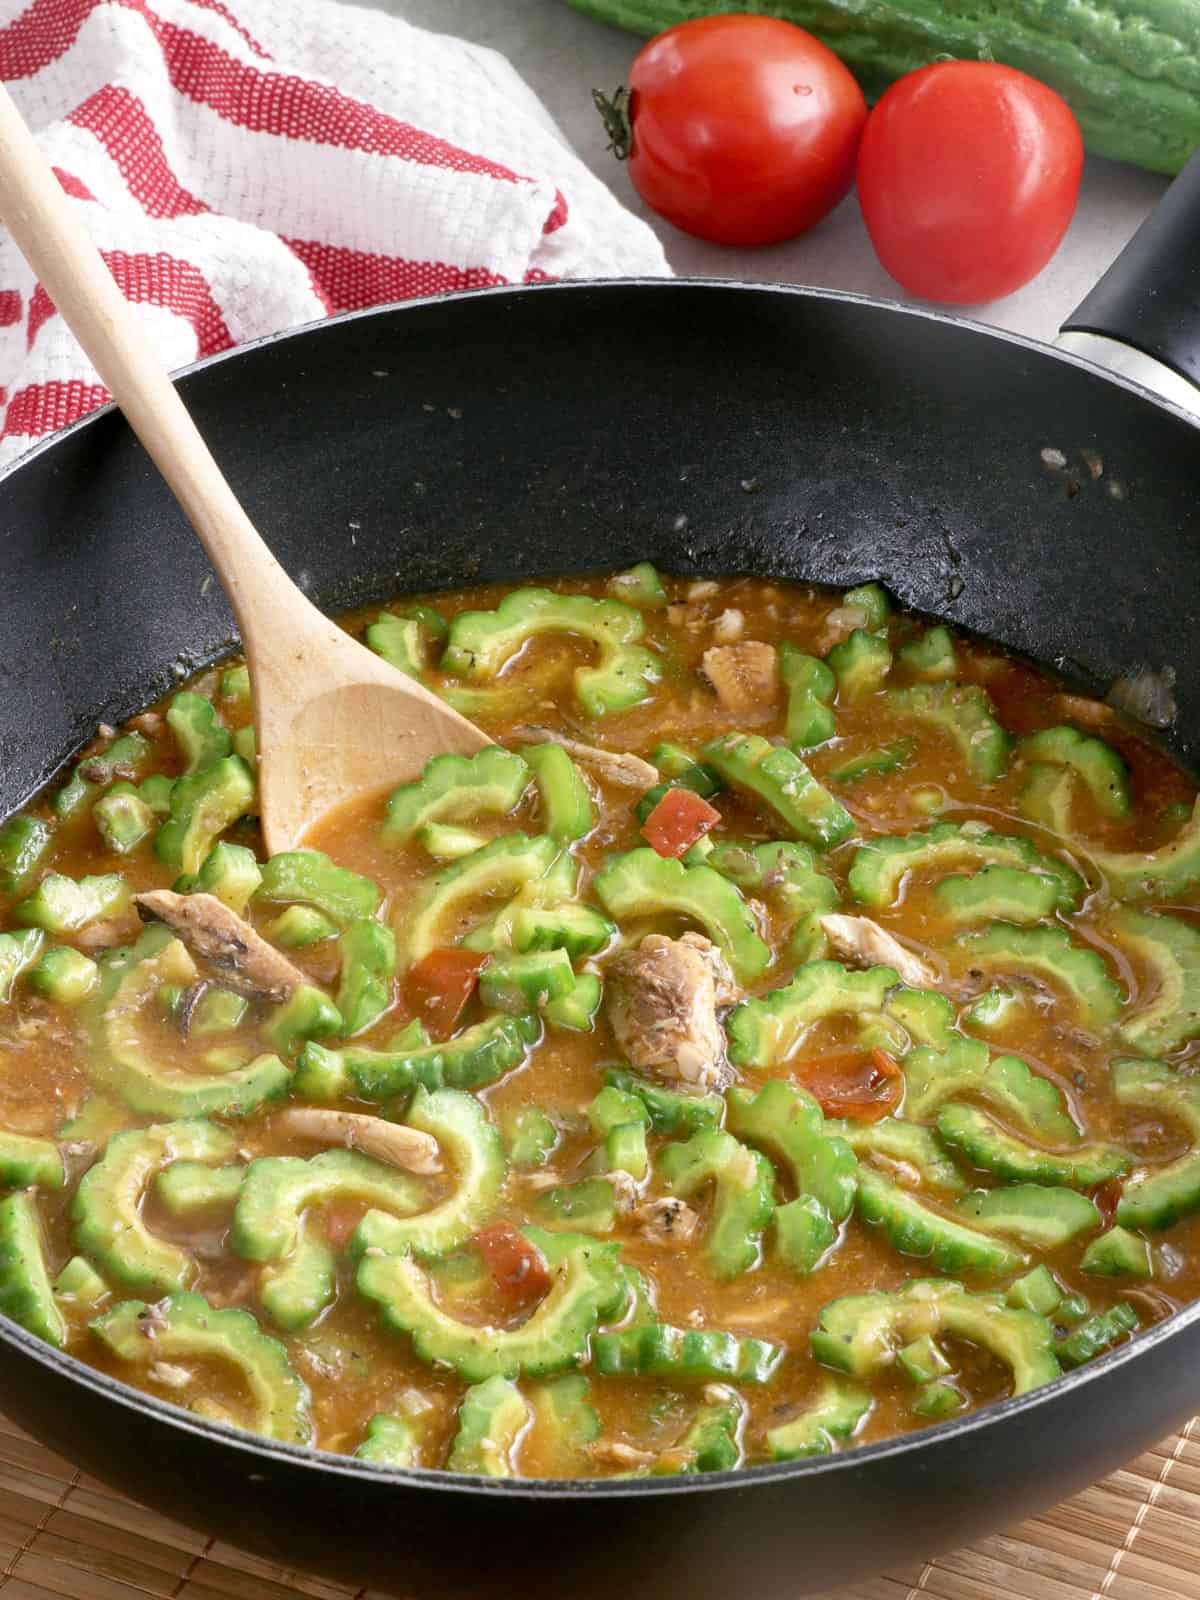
[(1006, 1083), (1118, 1253), (1034, 1215), (862, 1334), (400, 641), (971, 1134), (658, 1350), (1154, 874), (786, 876), (993, 1010), (276, 1191), (712, 1442), (778, 777), (931, 657), (25, 1292), (532, 1137), (588, 1288), (1050, 953), (640, 586), (1097, 1334), (300, 926), (23, 843), (744, 1195), (231, 873), (235, 685), (482, 641), (122, 818), (27, 1162), (619, 1120), (446, 842), (788, 1124), (63, 905), (390, 1441), (832, 1418), (874, 763), (1036, 1291), (1169, 950), (810, 687), (695, 776), (457, 789), (63, 975), (860, 664), (670, 1112), (185, 1327), (873, 601), (309, 877), (295, 1291), (503, 866), (914, 1229), (1157, 1198), (765, 1032), (1098, 764), (106, 1209), (368, 957), (201, 736), (80, 1283), (906, 1143), (939, 1399), (491, 1419), (998, 894), (567, 811), (125, 757), (188, 1187), (526, 983), (579, 930), (576, 1010), (202, 807), (460, 1124), (964, 712), (880, 865), (476, 1056), (643, 884), (308, 1013), (245, 744), (587, 1207), (922, 1360), (156, 791), (119, 1063)]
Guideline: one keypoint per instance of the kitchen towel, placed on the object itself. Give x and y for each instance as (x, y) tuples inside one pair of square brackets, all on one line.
[(252, 165)]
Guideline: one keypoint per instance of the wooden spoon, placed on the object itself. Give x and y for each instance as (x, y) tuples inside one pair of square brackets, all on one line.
[(331, 719)]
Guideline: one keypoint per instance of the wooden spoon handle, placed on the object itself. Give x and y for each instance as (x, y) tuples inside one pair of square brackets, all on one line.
[(49, 233)]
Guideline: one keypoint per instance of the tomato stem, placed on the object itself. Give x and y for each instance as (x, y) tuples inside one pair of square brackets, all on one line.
[(614, 113)]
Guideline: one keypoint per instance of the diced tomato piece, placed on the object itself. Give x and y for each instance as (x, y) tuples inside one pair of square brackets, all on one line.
[(438, 987), (518, 1269), (863, 1084), (677, 821), (1108, 1197), (340, 1223)]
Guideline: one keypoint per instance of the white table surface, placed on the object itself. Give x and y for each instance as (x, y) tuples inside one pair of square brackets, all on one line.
[(563, 55)]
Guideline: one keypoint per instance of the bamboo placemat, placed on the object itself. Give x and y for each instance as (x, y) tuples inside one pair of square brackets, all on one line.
[(1135, 1536)]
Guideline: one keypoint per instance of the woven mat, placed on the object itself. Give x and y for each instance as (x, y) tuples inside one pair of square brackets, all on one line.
[(1136, 1536)]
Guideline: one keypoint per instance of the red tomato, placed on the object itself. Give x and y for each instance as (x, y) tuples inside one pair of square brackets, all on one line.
[(744, 129), (439, 986), (862, 1084), (677, 821), (968, 174), (518, 1269)]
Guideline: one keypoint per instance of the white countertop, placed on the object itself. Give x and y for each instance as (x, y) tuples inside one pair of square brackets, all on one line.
[(563, 55)]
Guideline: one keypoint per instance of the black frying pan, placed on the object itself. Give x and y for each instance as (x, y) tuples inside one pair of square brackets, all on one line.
[(714, 429)]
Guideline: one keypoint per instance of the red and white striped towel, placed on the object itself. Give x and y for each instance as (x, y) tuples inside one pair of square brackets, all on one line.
[(251, 165)]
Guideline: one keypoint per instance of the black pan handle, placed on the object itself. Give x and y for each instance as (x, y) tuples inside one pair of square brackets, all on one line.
[(1148, 302)]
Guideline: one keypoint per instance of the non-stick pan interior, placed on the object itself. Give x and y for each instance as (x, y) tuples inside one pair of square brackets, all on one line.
[(711, 428)]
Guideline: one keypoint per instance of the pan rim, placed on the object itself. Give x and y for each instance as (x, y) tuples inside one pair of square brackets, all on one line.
[(256, 1448)]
